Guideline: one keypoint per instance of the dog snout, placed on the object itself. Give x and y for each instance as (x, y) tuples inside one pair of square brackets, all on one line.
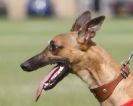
[(25, 66)]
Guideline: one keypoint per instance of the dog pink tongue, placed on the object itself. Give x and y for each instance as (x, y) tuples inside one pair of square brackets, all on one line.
[(43, 82)]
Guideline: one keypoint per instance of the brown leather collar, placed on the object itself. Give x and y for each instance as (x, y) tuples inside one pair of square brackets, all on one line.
[(105, 91)]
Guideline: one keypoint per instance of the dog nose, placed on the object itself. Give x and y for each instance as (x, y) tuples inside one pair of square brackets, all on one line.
[(25, 66)]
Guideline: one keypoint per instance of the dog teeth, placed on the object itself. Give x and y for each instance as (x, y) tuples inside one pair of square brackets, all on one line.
[(54, 76), (46, 84), (57, 73)]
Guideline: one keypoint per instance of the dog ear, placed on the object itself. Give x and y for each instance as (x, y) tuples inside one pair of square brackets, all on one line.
[(89, 29), (81, 21)]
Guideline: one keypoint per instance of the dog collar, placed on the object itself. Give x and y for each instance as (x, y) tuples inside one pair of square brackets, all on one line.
[(105, 91)]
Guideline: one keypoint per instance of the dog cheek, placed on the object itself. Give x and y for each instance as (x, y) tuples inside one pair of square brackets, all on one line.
[(76, 59), (75, 56)]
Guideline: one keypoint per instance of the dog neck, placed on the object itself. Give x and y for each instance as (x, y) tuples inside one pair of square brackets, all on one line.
[(98, 68)]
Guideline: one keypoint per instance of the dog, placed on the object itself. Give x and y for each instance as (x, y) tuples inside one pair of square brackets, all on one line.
[(75, 52)]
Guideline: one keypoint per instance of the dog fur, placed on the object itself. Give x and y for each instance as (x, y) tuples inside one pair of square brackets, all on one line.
[(90, 61)]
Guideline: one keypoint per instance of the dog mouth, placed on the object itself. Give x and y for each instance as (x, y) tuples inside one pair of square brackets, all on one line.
[(61, 69), (54, 76)]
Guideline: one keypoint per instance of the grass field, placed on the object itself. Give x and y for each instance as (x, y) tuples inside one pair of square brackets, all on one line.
[(21, 40)]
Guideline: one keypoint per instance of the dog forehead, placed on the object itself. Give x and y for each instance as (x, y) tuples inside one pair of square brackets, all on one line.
[(65, 38)]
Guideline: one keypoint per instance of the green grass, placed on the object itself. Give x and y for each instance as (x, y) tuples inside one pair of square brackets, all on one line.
[(22, 39)]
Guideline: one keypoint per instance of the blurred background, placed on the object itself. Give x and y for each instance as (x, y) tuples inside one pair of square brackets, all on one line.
[(13, 9), (27, 25)]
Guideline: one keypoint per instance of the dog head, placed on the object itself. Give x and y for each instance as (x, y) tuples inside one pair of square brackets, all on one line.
[(66, 50)]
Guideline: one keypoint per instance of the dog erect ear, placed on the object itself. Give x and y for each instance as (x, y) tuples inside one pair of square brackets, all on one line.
[(89, 29), (81, 21)]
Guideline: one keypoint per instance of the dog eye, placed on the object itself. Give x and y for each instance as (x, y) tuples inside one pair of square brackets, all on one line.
[(53, 47)]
